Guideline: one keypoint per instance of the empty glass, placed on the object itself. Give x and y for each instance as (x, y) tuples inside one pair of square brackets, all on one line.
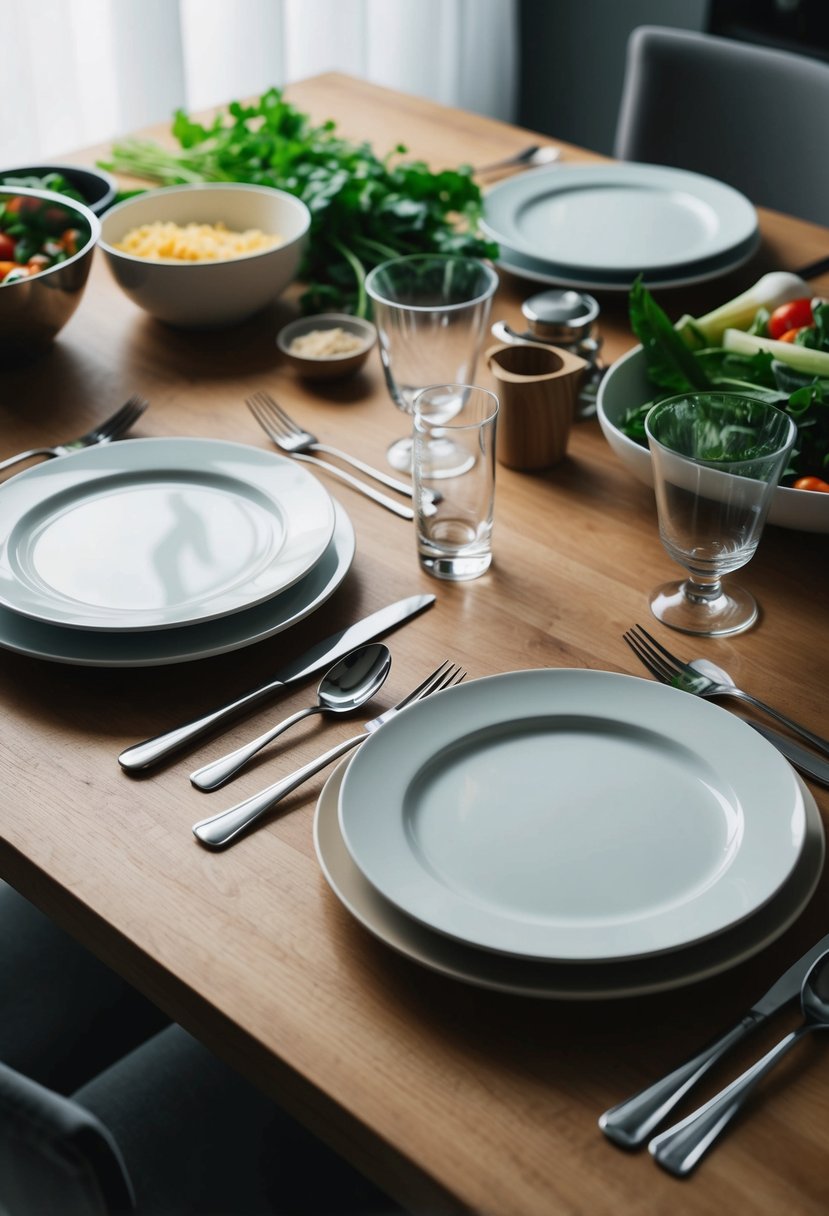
[(431, 313), (717, 458), (453, 516)]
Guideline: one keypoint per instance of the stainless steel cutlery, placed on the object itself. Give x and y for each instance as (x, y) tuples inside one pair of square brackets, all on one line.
[(681, 1148), (299, 443), (142, 756), (686, 676), (220, 830), (631, 1123), (345, 687), (105, 432)]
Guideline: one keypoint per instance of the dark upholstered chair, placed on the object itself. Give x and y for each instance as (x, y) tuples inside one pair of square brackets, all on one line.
[(744, 114), (106, 1107)]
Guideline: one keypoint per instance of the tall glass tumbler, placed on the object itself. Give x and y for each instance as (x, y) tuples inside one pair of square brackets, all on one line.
[(432, 315), (453, 516), (717, 458)]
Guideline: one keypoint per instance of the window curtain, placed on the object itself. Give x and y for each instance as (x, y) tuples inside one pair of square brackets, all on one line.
[(80, 72)]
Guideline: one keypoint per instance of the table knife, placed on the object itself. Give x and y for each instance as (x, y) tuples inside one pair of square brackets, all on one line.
[(631, 1123), (809, 763), (141, 756)]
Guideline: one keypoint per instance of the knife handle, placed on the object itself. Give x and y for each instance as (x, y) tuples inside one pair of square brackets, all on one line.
[(141, 756), (631, 1123)]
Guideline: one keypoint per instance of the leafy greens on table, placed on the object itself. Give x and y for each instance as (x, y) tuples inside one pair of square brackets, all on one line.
[(364, 208), (685, 358)]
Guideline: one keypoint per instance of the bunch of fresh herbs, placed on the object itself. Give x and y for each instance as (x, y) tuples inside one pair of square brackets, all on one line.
[(364, 208)]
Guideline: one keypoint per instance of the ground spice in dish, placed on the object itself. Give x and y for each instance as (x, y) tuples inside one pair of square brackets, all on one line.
[(325, 343)]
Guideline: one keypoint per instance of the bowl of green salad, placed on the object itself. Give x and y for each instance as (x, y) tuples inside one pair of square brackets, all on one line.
[(771, 342), (95, 188)]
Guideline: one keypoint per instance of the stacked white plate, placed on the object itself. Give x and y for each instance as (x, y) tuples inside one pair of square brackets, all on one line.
[(155, 551), (599, 226), (570, 834)]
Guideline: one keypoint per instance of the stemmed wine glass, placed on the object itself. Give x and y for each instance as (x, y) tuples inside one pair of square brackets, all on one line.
[(717, 458), (431, 313)]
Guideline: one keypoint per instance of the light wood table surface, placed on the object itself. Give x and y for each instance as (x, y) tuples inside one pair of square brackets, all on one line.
[(453, 1098)]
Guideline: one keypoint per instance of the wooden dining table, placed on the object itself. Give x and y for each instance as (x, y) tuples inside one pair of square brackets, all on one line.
[(452, 1097)]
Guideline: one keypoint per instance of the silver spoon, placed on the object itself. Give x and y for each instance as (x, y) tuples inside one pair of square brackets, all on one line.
[(810, 764), (528, 158), (725, 683), (344, 687), (682, 1146)]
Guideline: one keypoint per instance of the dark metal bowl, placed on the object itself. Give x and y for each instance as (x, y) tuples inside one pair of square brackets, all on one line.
[(96, 187), (34, 310)]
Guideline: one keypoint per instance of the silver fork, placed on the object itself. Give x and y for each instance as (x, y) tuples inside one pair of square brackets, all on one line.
[(221, 829), (671, 670), (291, 438), (104, 432)]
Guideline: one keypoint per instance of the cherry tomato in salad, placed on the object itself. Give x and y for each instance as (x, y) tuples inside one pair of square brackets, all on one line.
[(796, 314), (7, 245), (812, 483)]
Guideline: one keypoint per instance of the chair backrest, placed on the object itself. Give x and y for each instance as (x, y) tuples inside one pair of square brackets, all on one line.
[(744, 114), (55, 1156)]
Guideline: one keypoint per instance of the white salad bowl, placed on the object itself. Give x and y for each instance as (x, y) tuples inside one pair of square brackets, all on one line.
[(208, 294), (625, 385)]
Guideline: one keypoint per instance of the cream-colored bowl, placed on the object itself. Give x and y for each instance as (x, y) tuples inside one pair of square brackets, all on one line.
[(208, 295), (327, 367), (626, 385)]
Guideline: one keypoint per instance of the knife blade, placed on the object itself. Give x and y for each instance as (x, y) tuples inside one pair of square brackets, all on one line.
[(141, 756), (809, 763), (631, 1123)]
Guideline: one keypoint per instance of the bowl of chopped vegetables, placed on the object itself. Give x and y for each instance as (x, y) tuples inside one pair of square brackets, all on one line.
[(205, 256), (46, 247), (740, 347), (327, 345), (94, 187)]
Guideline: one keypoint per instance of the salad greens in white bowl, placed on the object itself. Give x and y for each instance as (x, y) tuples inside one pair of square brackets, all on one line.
[(738, 347)]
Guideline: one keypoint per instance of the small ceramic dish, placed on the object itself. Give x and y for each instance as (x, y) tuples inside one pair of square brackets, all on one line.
[(324, 366)]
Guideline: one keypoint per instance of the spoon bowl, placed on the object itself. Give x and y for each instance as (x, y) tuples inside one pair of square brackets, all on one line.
[(530, 157), (352, 681)]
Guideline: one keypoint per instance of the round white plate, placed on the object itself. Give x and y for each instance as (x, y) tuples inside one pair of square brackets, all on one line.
[(618, 217), (155, 533), (560, 981), (159, 647), (538, 271), (572, 815)]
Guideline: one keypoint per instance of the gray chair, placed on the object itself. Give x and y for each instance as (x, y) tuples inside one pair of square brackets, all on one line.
[(744, 114), (108, 1108)]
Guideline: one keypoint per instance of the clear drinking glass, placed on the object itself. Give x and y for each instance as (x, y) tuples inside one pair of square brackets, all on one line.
[(453, 515), (432, 313), (717, 458)]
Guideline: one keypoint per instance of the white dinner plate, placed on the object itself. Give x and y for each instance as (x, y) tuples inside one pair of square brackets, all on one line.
[(538, 271), (155, 533), (618, 217), (572, 815), (559, 981), (160, 647)]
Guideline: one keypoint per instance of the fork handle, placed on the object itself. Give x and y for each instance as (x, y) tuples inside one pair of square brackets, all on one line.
[(219, 830), (11, 461), (397, 508), (384, 478), (821, 744)]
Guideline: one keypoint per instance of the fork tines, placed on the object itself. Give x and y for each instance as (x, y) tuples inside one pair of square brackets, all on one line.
[(442, 677), (123, 418), (652, 654)]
